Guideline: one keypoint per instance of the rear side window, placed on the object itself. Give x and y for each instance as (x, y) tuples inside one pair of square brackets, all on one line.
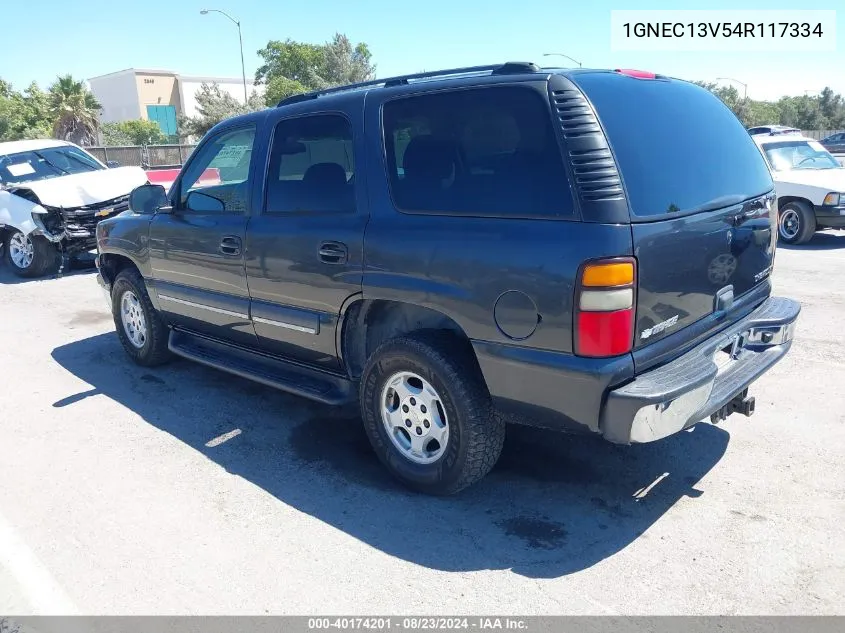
[(311, 166), (482, 152), (678, 147)]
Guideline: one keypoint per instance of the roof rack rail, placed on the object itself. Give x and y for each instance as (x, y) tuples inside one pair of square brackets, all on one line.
[(401, 80)]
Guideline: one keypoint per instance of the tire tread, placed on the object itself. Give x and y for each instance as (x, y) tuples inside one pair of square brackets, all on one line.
[(159, 334)]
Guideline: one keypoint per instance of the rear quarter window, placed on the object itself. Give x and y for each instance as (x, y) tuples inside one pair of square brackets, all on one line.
[(678, 146)]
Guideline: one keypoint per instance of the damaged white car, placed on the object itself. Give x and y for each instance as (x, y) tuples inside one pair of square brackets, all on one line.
[(52, 195)]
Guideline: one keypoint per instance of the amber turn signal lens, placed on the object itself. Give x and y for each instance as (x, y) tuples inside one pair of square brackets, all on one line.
[(612, 274)]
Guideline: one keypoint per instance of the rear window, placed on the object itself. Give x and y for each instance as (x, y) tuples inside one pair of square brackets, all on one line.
[(679, 148)]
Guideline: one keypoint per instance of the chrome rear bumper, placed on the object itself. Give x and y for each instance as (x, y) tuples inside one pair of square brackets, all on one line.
[(677, 395)]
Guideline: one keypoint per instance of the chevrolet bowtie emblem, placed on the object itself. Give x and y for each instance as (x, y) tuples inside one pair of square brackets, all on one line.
[(102, 213)]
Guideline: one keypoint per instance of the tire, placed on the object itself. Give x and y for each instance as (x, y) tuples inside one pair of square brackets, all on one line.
[(150, 349), (475, 434), (796, 223), (42, 257)]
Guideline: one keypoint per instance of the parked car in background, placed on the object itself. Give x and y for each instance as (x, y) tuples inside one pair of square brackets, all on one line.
[(52, 194), (440, 247), (835, 143), (773, 130), (810, 186)]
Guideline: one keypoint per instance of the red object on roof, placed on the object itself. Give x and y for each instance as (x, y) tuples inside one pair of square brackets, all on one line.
[(639, 74)]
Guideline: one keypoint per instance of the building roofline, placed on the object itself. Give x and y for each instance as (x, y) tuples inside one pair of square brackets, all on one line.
[(207, 79), (137, 71)]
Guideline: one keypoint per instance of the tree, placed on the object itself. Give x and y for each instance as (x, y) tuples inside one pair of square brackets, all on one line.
[(832, 106), (215, 105), (23, 115), (343, 64), (74, 111), (291, 68), (805, 112), (279, 88), (293, 60), (136, 132)]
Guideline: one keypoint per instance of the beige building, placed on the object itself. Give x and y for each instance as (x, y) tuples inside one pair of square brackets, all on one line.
[(157, 95)]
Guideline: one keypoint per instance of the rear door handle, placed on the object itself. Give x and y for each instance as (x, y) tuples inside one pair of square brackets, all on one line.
[(333, 253), (230, 245)]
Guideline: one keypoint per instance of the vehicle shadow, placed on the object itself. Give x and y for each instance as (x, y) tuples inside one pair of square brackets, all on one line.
[(8, 278), (822, 241), (554, 504)]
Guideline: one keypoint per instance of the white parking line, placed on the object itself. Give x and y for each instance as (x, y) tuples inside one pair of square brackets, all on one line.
[(40, 589)]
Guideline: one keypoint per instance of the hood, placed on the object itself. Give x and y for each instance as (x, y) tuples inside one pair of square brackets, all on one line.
[(77, 190), (827, 179)]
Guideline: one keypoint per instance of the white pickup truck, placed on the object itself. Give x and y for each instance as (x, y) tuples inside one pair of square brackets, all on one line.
[(810, 185), (52, 195)]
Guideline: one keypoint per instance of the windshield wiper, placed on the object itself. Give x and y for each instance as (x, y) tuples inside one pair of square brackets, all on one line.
[(51, 163)]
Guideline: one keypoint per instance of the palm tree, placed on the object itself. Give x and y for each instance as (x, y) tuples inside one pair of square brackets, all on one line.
[(74, 110)]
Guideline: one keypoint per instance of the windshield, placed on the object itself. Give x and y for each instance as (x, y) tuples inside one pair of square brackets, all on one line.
[(789, 155), (45, 163)]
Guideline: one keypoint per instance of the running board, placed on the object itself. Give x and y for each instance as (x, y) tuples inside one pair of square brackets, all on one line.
[(273, 372)]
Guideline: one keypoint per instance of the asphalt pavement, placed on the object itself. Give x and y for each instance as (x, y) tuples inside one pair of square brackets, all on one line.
[(183, 490)]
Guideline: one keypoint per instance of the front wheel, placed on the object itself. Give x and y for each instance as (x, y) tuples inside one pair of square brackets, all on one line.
[(141, 330), (31, 255), (428, 415), (796, 223)]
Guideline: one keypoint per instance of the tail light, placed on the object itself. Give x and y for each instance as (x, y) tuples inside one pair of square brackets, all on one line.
[(604, 308)]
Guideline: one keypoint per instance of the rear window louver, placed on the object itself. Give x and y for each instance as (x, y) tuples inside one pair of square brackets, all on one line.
[(596, 176)]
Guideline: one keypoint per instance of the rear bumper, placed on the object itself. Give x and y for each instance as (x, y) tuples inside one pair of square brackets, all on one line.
[(677, 395)]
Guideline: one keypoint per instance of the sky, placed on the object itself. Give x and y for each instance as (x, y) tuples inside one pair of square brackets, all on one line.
[(101, 36)]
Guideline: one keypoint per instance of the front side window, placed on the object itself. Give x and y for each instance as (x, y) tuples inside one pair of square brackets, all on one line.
[(789, 155), (217, 178), (45, 163), (311, 167), (483, 151)]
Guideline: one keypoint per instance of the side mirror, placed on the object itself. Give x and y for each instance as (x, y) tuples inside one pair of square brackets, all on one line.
[(111, 164), (199, 201), (147, 199)]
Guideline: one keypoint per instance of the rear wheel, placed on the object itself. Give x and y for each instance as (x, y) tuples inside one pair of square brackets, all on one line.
[(30, 255), (139, 326), (428, 415), (796, 223)]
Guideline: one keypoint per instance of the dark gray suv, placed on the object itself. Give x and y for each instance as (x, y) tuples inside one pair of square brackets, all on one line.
[(459, 248)]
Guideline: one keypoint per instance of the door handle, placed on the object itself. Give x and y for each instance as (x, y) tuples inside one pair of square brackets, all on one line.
[(230, 245), (333, 252)]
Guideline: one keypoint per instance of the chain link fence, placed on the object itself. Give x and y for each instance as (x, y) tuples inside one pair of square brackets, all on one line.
[(146, 156), (820, 134)]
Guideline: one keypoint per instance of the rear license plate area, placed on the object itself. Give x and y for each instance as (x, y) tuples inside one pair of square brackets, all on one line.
[(729, 353)]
